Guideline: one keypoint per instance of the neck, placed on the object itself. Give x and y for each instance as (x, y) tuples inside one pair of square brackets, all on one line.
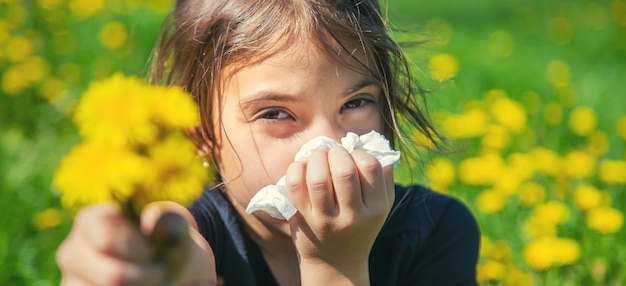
[(271, 235)]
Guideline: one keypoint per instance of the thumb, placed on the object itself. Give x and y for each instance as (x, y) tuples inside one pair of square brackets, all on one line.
[(167, 229)]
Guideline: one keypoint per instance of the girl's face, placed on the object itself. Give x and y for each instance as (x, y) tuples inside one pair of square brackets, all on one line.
[(270, 109)]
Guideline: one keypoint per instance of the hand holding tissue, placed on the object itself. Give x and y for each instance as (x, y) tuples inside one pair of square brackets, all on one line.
[(273, 200)]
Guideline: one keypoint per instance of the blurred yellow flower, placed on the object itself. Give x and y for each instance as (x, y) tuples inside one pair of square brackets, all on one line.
[(521, 164), (558, 73), (618, 12), (516, 277), (552, 212), (443, 66), (587, 197), (507, 183), (605, 219), (49, 4), (598, 143), (566, 251), (510, 114), (578, 164), (13, 80), (483, 170), (422, 140), (18, 48), (175, 172), (490, 201), (5, 32), (94, 173), (621, 127), (146, 157), (583, 121), (114, 35), (86, 8), (440, 172), (613, 171), (114, 111), (47, 219), (560, 30), (440, 29), (471, 123), (531, 194), (553, 113), (490, 270), (535, 227), (547, 161), (496, 137), (486, 246), (52, 89), (501, 44), (538, 254), (173, 107), (161, 6)]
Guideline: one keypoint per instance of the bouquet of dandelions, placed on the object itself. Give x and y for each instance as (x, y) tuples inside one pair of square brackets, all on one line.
[(133, 149)]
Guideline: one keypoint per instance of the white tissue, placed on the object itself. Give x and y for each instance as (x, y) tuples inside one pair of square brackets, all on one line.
[(273, 200)]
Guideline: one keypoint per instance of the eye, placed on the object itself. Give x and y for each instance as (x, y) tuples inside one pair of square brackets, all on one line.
[(273, 114), (356, 103)]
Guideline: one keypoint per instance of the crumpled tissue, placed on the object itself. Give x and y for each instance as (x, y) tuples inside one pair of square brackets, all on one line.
[(272, 199)]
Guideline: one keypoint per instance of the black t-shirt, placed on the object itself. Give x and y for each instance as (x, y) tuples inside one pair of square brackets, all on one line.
[(428, 239)]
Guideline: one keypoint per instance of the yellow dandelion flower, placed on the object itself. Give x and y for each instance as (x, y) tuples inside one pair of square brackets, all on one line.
[(86, 8), (598, 143), (93, 173), (578, 164), (539, 253), (621, 127), (422, 140), (560, 30), (5, 32), (546, 161), (496, 137), (613, 171), (18, 48), (535, 227), (566, 251), (490, 201), (161, 6), (115, 111), (47, 219), (507, 183), (440, 172), (553, 113), (552, 212), (114, 35), (587, 197), (502, 251), (175, 108), (583, 121), (176, 173), (605, 220), (483, 170), (501, 44), (471, 123), (486, 246), (521, 164), (510, 114), (558, 73), (531, 194), (13, 80), (52, 89), (490, 270), (443, 66), (516, 277), (49, 4), (618, 12)]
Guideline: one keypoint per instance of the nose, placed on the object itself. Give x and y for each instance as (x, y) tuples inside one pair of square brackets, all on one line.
[(328, 127)]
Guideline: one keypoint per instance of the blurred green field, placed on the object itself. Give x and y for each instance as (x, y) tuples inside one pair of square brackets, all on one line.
[(530, 94)]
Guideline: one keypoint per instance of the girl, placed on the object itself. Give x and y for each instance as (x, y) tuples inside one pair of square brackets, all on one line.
[(268, 77)]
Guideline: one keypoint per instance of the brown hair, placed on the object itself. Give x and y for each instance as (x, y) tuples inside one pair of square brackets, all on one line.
[(203, 37)]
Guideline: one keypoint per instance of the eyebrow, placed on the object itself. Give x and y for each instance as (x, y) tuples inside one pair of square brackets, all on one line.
[(359, 85), (277, 97)]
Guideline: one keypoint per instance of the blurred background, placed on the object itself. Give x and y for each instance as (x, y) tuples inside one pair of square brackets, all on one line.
[(530, 94)]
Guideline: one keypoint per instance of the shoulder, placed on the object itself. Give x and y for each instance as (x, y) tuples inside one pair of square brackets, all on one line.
[(428, 239)]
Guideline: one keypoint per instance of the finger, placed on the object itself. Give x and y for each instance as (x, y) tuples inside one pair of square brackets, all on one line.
[(295, 180), (345, 178), (372, 179), (168, 232), (82, 264), (319, 184), (106, 230), (391, 190)]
